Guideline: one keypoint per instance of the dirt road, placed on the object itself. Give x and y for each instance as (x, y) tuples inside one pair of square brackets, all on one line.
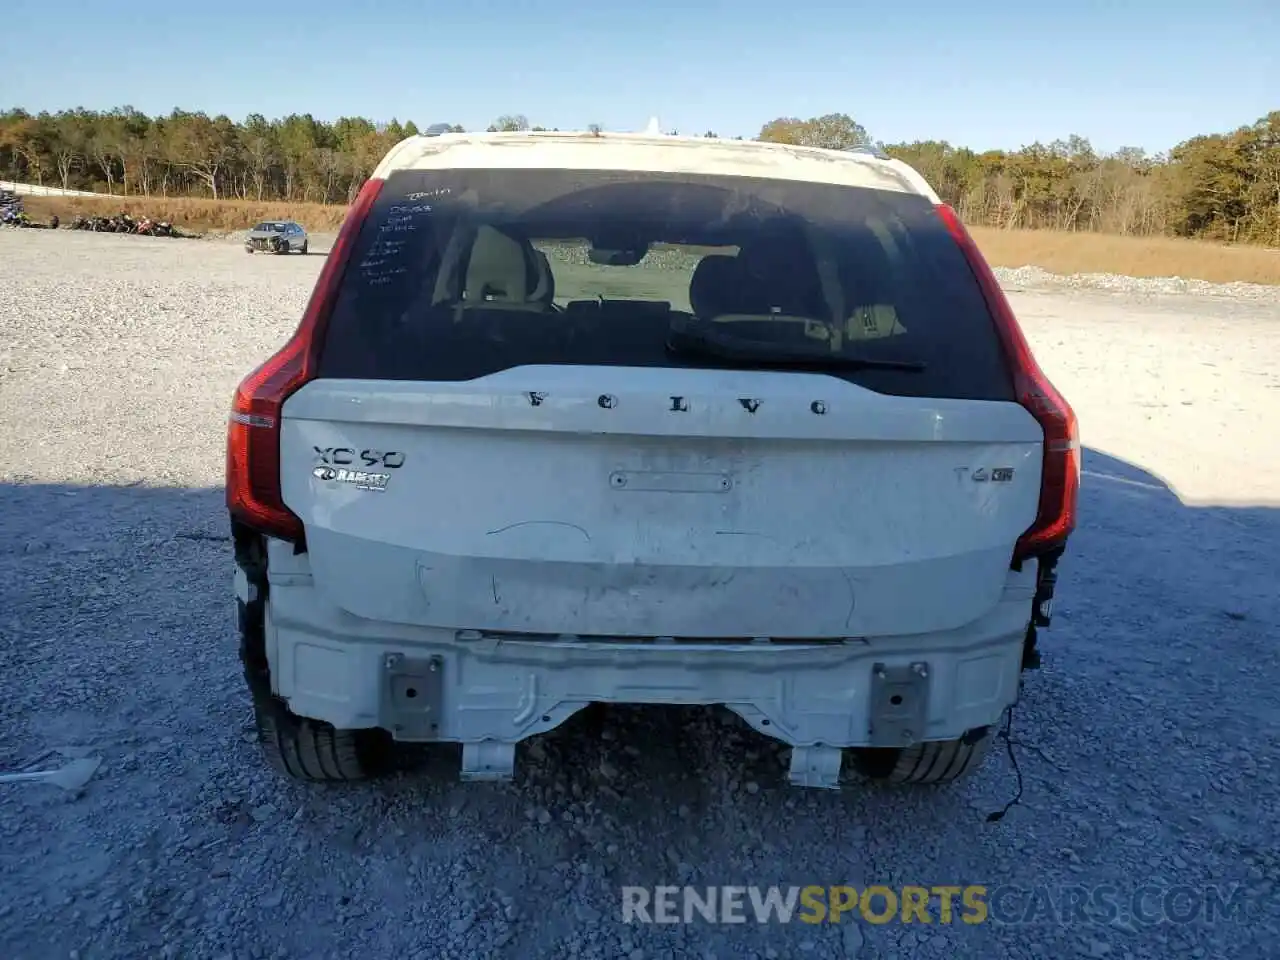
[(1146, 745)]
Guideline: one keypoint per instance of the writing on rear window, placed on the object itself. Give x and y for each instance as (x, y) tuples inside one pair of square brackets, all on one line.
[(427, 194)]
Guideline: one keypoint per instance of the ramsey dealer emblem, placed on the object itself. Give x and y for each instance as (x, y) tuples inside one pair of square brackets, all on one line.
[(360, 479)]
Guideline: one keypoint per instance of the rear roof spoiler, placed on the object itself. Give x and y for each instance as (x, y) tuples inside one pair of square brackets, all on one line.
[(869, 151)]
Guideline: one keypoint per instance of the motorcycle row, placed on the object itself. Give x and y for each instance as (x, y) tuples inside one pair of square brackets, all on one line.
[(13, 215), (123, 223)]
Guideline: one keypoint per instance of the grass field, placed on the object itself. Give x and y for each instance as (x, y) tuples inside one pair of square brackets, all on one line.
[(1055, 251), (199, 216), (1061, 252)]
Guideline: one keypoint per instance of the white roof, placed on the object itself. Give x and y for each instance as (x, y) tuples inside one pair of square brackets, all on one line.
[(647, 152)]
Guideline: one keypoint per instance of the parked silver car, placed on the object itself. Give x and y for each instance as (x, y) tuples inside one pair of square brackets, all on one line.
[(276, 236)]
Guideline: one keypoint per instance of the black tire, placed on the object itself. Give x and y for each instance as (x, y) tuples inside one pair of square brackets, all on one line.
[(299, 747), (314, 751), (303, 251), (248, 249), (931, 763)]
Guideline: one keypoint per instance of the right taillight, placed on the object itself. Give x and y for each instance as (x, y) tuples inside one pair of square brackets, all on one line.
[(1060, 477), (253, 433)]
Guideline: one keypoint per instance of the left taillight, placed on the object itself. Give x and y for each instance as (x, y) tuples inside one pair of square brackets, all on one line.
[(254, 496), (1060, 474)]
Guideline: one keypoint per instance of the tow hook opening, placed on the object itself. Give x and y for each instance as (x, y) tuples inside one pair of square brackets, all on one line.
[(1030, 653), (1041, 608), (1046, 582), (251, 559)]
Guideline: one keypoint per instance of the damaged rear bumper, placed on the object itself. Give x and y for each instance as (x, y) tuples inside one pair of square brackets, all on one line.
[(490, 691)]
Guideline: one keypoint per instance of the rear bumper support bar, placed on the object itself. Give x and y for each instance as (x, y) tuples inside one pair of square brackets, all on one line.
[(488, 760), (816, 767), (489, 693)]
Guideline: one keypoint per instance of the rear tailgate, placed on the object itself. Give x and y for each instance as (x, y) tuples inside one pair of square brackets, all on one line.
[(496, 435), (467, 505)]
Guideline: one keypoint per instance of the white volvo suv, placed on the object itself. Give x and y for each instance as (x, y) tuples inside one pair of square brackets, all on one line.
[(576, 418)]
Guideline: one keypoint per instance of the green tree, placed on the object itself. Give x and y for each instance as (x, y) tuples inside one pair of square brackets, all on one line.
[(133, 148), (1221, 185), (299, 138), (834, 131), (261, 152), (205, 147), (73, 131), (510, 123), (28, 139)]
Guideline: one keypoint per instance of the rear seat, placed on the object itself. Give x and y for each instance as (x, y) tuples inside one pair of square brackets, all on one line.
[(545, 291), (716, 287), (504, 273)]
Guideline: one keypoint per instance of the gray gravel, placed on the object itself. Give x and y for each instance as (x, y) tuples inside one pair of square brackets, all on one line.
[(1037, 278), (1146, 744)]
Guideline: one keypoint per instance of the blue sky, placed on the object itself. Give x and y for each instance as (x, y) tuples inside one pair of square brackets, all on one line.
[(982, 73)]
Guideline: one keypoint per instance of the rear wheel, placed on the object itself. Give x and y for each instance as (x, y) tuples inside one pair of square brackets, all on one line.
[(933, 762), (299, 747), (303, 251), (306, 749)]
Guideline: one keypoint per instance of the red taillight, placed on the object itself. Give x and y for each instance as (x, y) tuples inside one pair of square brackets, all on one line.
[(1060, 479), (253, 435)]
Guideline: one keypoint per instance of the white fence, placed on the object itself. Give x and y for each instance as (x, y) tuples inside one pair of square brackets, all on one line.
[(31, 190)]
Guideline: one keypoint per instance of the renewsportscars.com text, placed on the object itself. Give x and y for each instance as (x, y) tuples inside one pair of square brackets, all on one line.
[(1145, 905)]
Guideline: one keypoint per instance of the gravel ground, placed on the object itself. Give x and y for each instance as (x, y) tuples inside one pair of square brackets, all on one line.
[(1146, 745)]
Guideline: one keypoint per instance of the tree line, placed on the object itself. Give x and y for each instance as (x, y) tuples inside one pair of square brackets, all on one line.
[(1219, 186)]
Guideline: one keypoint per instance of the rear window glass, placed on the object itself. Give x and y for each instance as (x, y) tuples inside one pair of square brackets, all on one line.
[(462, 273)]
